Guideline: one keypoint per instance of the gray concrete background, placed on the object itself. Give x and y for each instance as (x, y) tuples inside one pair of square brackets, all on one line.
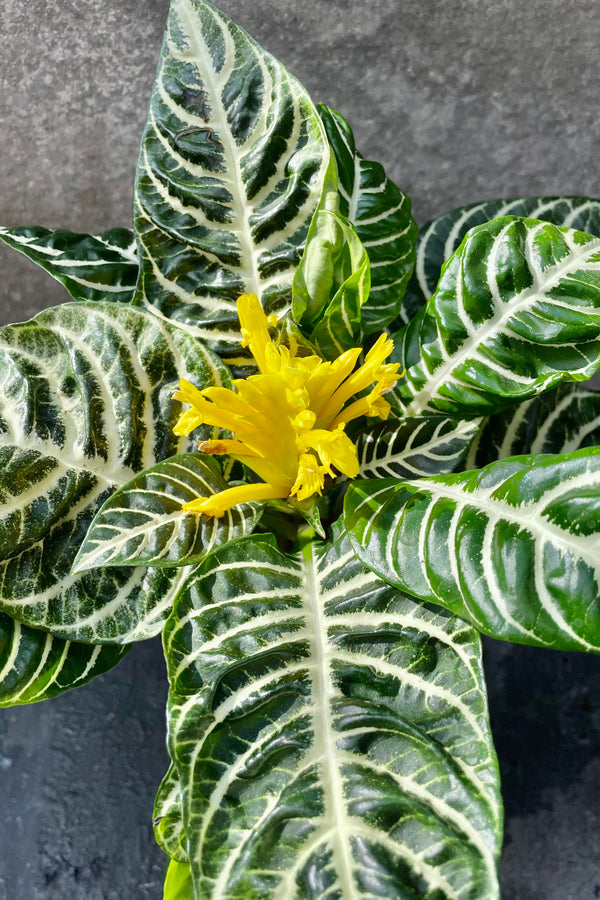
[(459, 100)]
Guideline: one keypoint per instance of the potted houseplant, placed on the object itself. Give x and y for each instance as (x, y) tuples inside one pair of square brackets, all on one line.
[(307, 737)]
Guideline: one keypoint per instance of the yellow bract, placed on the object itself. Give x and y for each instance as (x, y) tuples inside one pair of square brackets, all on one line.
[(287, 421)]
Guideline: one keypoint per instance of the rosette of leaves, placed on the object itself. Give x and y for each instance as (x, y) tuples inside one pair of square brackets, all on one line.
[(327, 713)]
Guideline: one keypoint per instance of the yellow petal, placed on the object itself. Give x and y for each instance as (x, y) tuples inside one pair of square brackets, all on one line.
[(255, 330), (311, 477), (217, 504)]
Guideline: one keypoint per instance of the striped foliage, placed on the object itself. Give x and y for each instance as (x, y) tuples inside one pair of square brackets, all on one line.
[(513, 548), (441, 237), (232, 168), (381, 214), (516, 311), (559, 421), (85, 404), (91, 266), (168, 817), (415, 448), (142, 523), (35, 666), (330, 734)]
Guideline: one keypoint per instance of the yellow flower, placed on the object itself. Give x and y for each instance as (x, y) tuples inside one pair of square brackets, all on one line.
[(287, 422)]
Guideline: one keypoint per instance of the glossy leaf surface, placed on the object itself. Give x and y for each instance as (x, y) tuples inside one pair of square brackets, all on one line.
[(142, 523), (100, 267), (415, 448), (516, 311), (441, 237), (231, 170), (560, 421), (330, 733), (381, 214), (86, 403), (513, 548), (36, 666)]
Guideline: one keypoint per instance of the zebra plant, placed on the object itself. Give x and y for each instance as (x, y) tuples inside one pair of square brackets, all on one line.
[(320, 474)]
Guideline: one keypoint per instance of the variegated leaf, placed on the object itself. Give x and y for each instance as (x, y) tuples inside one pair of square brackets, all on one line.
[(415, 448), (513, 548), (232, 167), (330, 734), (36, 666), (560, 421), (441, 237), (516, 311), (85, 404), (91, 266), (381, 214), (142, 523), (168, 817)]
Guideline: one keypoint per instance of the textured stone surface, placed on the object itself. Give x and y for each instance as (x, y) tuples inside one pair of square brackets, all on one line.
[(460, 101)]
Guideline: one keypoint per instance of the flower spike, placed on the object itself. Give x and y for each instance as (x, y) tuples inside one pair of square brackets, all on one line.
[(287, 422)]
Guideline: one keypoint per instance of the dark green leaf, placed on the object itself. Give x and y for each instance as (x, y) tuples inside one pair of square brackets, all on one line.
[(142, 523), (85, 404), (516, 311), (168, 817), (91, 266), (414, 448), (513, 548), (560, 421), (441, 237), (380, 212), (36, 666), (330, 733), (232, 168)]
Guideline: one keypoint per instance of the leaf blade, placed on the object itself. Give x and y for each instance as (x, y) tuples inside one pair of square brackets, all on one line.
[(441, 237), (100, 267), (517, 310), (416, 447), (295, 808), (381, 214), (512, 547), (143, 524), (232, 167), (35, 666), (86, 403)]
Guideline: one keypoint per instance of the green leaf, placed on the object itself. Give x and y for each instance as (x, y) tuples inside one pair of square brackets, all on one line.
[(512, 548), (86, 403), (441, 237), (91, 266), (381, 214), (331, 284), (516, 311), (142, 523), (178, 882), (36, 666), (168, 817), (560, 421), (330, 734), (232, 167), (414, 448)]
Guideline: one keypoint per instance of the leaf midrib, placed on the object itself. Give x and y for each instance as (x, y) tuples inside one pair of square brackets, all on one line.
[(333, 789), (540, 287)]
